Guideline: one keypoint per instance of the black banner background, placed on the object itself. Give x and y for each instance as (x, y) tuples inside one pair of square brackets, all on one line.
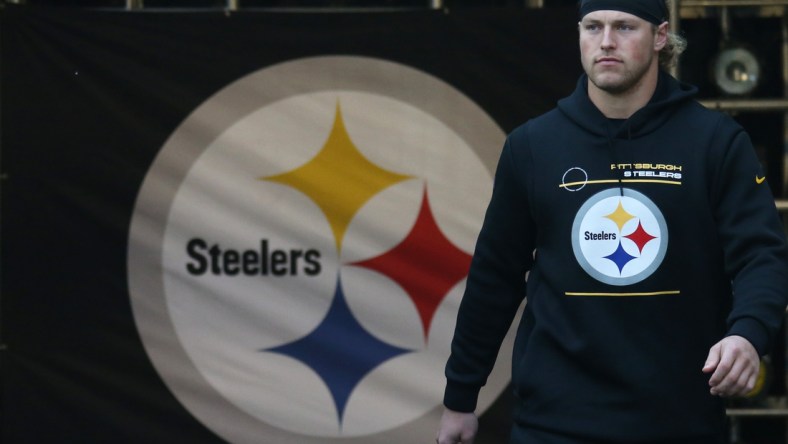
[(89, 97)]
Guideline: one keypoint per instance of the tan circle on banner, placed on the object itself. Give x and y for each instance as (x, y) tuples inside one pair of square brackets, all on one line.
[(269, 218)]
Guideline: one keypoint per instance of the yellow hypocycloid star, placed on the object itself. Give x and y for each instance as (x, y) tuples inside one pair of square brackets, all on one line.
[(620, 216), (339, 179)]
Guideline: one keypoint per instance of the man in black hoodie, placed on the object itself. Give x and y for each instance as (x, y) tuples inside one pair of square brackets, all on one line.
[(658, 263)]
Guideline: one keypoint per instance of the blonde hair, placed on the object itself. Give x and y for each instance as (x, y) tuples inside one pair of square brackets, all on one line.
[(669, 55), (676, 44)]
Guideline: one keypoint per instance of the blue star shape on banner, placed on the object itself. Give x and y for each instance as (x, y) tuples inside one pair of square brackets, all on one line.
[(340, 351), (620, 257)]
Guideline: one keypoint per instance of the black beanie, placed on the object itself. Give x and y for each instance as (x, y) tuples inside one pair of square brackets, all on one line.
[(654, 11)]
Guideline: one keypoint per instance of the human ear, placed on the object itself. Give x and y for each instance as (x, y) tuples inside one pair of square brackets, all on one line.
[(661, 36)]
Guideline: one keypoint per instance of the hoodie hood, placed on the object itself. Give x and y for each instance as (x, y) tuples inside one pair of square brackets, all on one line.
[(668, 94)]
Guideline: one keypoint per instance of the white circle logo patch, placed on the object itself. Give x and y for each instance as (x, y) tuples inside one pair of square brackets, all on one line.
[(619, 239), (299, 249)]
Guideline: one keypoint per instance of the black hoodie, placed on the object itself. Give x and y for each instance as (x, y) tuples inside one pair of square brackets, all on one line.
[(647, 240)]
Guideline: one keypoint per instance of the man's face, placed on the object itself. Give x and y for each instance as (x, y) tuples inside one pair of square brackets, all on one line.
[(617, 49)]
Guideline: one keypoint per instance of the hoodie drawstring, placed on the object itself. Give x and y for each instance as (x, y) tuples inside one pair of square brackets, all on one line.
[(614, 155)]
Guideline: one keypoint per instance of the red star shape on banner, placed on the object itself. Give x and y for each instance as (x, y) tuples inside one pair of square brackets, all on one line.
[(425, 264)]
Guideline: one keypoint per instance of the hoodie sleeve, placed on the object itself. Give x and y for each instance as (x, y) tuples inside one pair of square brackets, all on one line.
[(755, 252), (496, 283)]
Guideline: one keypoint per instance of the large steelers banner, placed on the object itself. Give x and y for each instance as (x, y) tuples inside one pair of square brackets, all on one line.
[(252, 227)]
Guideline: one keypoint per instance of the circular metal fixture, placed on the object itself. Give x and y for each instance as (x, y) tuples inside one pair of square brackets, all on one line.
[(736, 71)]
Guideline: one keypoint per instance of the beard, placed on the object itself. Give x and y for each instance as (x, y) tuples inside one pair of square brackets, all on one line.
[(621, 83)]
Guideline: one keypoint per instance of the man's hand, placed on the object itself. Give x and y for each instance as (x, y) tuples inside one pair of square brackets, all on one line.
[(457, 428), (734, 364)]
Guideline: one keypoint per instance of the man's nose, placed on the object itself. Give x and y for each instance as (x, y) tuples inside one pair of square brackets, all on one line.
[(607, 38)]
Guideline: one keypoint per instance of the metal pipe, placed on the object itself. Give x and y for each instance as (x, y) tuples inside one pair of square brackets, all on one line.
[(233, 5), (709, 3), (675, 21), (436, 4), (763, 105), (757, 412), (784, 32), (535, 4), (132, 5), (725, 23)]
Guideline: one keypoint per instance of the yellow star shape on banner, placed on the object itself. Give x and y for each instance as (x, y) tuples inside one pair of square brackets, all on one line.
[(339, 179)]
